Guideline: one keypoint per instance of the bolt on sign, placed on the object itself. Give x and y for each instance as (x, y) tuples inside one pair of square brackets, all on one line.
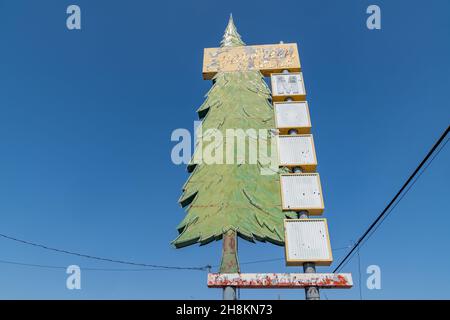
[(272, 58)]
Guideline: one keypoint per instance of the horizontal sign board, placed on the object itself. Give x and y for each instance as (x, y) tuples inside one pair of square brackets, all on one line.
[(292, 115), (302, 191), (307, 240), (280, 280), (272, 58), (297, 151), (288, 85)]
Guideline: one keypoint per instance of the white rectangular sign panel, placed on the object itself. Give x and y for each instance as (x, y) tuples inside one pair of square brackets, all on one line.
[(292, 115), (302, 191), (288, 85), (297, 151), (307, 240)]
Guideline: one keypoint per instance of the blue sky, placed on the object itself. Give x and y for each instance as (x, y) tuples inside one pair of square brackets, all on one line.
[(86, 118)]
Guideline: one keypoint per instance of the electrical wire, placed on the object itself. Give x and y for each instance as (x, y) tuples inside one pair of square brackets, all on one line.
[(42, 266), (395, 205), (150, 267), (55, 267), (406, 191), (101, 258), (399, 195)]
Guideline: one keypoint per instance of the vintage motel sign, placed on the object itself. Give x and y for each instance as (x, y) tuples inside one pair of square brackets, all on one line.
[(286, 85), (280, 280), (302, 191), (268, 59), (297, 151), (292, 115), (307, 240)]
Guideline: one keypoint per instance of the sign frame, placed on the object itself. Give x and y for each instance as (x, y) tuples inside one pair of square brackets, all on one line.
[(280, 280), (307, 167), (300, 262), (285, 129), (264, 58), (311, 210), (295, 97)]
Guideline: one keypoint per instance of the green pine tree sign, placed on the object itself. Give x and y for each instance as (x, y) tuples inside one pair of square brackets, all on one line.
[(239, 197)]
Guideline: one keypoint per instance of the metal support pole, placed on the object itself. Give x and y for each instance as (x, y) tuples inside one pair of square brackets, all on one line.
[(229, 263), (311, 293), (229, 293)]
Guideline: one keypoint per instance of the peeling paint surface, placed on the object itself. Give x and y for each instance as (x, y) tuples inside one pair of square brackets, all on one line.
[(269, 58), (280, 280)]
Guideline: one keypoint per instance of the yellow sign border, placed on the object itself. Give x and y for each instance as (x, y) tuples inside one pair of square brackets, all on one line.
[(271, 58)]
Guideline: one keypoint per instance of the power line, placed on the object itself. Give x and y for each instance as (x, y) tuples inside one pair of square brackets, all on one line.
[(55, 267), (152, 267), (404, 193), (101, 258), (399, 199), (387, 210), (375, 225), (42, 266)]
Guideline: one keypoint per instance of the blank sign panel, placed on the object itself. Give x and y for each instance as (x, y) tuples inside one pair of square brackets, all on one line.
[(307, 240), (297, 151), (288, 85), (292, 115), (302, 191)]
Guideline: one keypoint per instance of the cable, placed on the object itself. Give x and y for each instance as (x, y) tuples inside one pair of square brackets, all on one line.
[(399, 199), (406, 191), (360, 243), (43, 266), (151, 267), (387, 208), (82, 268), (101, 258)]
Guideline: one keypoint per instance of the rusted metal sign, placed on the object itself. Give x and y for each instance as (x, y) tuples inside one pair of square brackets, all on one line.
[(272, 58), (280, 280)]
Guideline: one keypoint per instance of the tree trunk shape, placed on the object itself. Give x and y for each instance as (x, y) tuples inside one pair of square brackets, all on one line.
[(229, 262)]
